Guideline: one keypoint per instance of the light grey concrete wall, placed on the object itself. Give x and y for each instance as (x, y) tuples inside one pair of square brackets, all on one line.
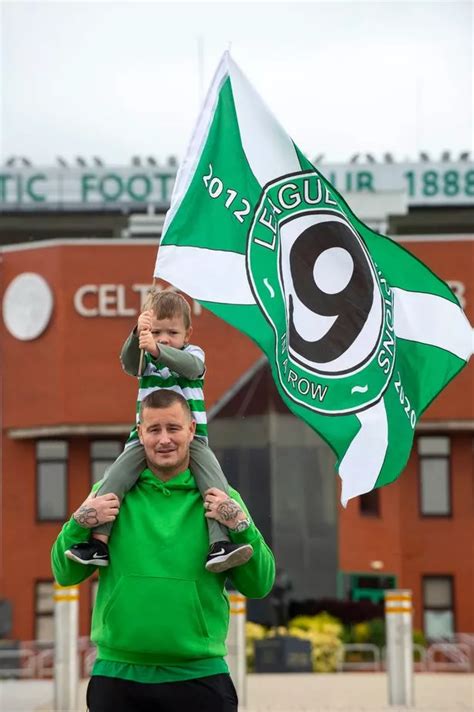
[(285, 472), (304, 512)]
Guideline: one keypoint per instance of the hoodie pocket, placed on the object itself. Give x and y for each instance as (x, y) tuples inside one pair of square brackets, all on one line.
[(162, 616)]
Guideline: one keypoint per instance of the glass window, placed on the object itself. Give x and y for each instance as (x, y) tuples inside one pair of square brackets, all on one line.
[(434, 473), (51, 449), (51, 475), (438, 592), (438, 606), (103, 453), (439, 624), (44, 611), (433, 446), (369, 503)]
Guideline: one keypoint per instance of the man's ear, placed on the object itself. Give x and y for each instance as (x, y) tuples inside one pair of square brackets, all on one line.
[(139, 431), (192, 427)]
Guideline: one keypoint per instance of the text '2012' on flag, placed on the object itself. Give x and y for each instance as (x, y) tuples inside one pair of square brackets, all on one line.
[(360, 335)]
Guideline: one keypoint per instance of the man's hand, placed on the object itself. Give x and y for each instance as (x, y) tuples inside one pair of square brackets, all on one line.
[(221, 507), (148, 343), (97, 510), (144, 321)]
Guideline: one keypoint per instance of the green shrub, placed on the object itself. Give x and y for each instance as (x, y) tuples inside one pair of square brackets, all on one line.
[(326, 635), (253, 632)]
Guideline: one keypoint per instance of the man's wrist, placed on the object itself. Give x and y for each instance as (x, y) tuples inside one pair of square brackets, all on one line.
[(241, 525)]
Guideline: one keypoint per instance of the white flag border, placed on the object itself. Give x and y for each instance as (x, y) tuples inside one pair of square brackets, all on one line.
[(363, 460), (188, 166)]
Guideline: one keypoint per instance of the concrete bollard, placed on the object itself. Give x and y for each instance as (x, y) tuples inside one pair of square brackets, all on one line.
[(66, 662), (236, 657), (398, 626)]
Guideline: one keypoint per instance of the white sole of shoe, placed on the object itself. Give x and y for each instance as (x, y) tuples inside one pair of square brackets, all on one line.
[(222, 563), (95, 562)]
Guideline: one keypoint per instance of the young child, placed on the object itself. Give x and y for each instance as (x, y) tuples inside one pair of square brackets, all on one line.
[(163, 332)]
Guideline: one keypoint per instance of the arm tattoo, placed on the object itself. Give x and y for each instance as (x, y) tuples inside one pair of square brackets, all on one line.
[(228, 509), (86, 517)]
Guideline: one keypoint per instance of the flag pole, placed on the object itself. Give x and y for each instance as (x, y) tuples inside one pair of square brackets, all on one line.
[(200, 65), (142, 351), (140, 363)]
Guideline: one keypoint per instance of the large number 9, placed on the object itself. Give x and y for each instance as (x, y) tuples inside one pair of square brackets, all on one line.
[(351, 305)]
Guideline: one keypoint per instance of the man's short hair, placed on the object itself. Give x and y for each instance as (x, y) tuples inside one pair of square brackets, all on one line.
[(163, 398)]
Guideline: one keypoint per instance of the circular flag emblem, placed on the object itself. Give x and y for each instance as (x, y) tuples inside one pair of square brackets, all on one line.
[(317, 285)]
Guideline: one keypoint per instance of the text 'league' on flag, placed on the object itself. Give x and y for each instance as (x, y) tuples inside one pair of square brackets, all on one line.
[(361, 336)]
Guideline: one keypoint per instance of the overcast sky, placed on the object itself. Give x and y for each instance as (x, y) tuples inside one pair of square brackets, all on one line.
[(117, 79)]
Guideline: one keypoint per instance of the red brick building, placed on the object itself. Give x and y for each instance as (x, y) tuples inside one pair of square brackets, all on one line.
[(420, 530), (67, 406)]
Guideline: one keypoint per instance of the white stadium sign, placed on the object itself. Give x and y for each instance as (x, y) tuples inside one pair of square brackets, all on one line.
[(441, 183)]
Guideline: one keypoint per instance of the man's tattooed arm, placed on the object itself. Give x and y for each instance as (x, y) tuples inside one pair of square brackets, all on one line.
[(86, 517), (228, 510)]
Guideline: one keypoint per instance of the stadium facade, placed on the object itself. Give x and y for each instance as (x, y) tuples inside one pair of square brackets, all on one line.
[(77, 252)]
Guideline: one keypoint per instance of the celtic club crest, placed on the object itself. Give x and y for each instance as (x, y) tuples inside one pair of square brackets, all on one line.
[(331, 310)]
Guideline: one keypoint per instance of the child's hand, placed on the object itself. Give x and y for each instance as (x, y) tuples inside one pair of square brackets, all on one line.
[(147, 342), (144, 321)]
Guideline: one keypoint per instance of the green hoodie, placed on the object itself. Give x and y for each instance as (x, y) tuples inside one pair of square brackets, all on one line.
[(156, 603)]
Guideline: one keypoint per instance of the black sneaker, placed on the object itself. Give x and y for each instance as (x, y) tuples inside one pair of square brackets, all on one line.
[(92, 552), (223, 555)]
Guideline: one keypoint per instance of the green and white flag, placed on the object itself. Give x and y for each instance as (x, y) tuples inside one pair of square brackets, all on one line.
[(360, 335)]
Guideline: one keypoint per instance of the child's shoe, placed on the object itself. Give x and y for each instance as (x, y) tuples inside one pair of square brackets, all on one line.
[(223, 555), (92, 552)]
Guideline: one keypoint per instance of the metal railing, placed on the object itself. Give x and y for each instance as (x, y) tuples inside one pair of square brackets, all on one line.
[(17, 663), (449, 657), (35, 659), (88, 661), (361, 649), (437, 657), (418, 652), (45, 663)]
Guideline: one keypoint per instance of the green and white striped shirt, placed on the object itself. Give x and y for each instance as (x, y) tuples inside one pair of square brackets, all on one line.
[(156, 375)]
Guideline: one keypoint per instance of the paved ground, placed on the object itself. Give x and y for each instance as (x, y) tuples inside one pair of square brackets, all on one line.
[(346, 692)]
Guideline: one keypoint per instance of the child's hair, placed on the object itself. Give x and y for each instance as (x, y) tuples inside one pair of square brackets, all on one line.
[(167, 304)]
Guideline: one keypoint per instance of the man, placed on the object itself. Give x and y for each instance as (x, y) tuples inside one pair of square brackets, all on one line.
[(160, 620)]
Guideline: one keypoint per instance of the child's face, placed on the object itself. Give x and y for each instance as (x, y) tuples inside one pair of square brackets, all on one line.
[(170, 332)]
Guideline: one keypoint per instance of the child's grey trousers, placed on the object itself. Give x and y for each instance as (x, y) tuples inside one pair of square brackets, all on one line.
[(125, 471)]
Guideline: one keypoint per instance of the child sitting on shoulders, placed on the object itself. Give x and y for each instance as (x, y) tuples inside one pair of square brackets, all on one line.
[(170, 361)]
